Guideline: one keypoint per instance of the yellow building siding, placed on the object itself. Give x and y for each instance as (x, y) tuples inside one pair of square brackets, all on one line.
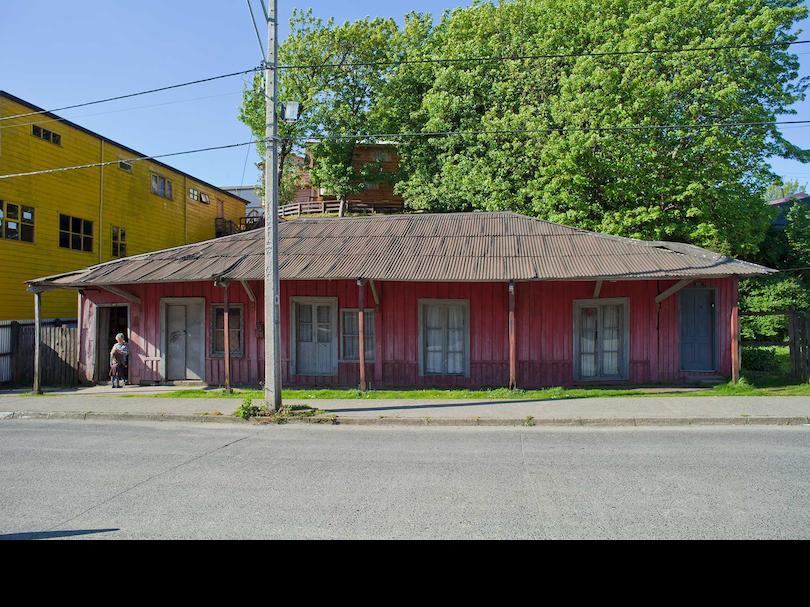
[(109, 197)]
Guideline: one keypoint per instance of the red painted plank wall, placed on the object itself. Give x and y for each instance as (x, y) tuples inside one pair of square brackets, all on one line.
[(544, 324)]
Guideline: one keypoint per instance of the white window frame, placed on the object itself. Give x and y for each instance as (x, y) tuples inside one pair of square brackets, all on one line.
[(625, 336), (369, 328), (194, 194), (125, 165), (465, 304)]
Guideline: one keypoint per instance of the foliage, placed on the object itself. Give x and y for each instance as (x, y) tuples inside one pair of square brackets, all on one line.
[(696, 185), (247, 409), (797, 233), (335, 100), (768, 294), (783, 189)]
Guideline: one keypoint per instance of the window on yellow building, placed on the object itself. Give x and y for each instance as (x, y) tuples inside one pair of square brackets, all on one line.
[(204, 198), (46, 135), (16, 222), (194, 194), (75, 233), (162, 186), (125, 166), (119, 242)]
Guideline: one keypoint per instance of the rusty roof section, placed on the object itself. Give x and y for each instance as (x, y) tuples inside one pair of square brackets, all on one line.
[(460, 247)]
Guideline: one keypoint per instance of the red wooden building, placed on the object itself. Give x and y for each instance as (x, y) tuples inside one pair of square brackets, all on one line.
[(467, 299)]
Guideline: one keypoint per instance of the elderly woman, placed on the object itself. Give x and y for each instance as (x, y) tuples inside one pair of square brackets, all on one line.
[(119, 356)]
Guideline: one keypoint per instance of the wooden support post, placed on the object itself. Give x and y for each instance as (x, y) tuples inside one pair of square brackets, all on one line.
[(597, 289), (227, 328), (512, 338), (37, 388), (735, 342), (794, 349), (361, 329)]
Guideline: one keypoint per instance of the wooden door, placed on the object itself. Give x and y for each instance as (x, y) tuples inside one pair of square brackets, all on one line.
[(697, 330)]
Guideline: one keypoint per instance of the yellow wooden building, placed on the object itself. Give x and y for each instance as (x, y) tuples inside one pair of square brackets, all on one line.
[(63, 221)]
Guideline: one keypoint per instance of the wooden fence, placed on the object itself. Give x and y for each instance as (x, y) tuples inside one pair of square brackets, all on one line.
[(59, 351), (798, 324)]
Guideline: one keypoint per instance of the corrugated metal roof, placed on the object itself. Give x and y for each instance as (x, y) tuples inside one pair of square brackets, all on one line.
[(419, 247)]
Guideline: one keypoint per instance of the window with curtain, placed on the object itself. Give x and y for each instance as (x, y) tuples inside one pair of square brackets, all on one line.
[(350, 335), (235, 326), (601, 334), (445, 337)]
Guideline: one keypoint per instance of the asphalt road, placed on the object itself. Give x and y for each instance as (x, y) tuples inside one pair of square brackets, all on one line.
[(166, 480)]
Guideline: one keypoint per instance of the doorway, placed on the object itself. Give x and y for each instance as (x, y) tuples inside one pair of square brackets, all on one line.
[(315, 336), (697, 319), (183, 338), (110, 321)]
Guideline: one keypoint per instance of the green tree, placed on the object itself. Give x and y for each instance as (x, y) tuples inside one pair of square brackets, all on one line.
[(695, 185), (782, 189), (336, 100)]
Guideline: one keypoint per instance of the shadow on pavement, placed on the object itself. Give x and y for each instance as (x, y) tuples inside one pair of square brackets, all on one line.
[(48, 535)]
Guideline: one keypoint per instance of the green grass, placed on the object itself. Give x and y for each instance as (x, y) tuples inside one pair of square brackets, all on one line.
[(744, 388)]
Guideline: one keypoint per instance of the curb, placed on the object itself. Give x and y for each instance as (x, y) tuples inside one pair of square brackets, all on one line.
[(418, 421)]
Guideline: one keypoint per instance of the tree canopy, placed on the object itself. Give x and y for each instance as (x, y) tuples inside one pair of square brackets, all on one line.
[(586, 164)]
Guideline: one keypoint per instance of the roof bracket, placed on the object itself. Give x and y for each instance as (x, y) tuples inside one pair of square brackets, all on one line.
[(251, 295), (123, 294), (597, 288), (673, 289)]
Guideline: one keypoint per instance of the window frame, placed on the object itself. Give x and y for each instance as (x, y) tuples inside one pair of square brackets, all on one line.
[(119, 241), (52, 136), (194, 194), (241, 329), (168, 189), (71, 233), (125, 165), (370, 327), (20, 221), (465, 305), (578, 305)]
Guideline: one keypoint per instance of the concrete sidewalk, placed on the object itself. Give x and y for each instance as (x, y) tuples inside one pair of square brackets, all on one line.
[(617, 411)]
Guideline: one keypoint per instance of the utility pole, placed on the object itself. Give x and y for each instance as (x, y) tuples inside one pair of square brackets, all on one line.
[(272, 285)]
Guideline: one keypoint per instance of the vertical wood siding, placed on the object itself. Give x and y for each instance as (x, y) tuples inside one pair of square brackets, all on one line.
[(544, 323)]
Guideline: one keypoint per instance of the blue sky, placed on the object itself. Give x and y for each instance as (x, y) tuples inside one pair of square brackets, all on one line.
[(59, 53)]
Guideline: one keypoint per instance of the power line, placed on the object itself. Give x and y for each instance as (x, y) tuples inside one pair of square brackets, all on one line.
[(136, 159), (256, 28), (638, 127), (118, 111), (136, 94), (429, 134), (501, 58)]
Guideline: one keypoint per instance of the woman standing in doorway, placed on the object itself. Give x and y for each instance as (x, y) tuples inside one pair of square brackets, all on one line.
[(119, 356)]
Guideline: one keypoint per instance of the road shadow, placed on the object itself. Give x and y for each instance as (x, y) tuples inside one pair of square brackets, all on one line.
[(51, 535)]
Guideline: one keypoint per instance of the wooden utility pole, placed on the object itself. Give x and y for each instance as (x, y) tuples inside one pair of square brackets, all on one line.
[(272, 285), (361, 334), (37, 388)]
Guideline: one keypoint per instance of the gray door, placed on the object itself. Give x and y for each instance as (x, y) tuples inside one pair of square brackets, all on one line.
[(315, 339), (697, 330), (184, 341)]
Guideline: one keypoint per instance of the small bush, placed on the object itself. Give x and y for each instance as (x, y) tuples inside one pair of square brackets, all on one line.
[(247, 409)]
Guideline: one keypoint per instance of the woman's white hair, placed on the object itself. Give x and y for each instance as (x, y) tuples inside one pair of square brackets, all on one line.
[(119, 336)]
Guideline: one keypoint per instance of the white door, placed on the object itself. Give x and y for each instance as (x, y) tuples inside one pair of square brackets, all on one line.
[(316, 337)]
